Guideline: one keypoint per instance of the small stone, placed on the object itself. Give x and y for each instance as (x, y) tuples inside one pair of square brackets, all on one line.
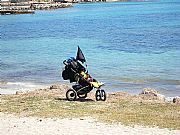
[(53, 87), (19, 92)]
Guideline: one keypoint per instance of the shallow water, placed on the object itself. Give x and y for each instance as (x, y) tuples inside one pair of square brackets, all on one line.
[(128, 46)]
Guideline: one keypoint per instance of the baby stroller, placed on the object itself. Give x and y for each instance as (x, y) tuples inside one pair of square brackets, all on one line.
[(75, 71)]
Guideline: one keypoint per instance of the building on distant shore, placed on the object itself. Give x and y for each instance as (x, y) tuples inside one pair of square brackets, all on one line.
[(14, 1), (64, 1), (18, 1), (7, 5), (4, 1)]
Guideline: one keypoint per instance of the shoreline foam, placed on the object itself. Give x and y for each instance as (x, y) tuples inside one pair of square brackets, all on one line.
[(12, 87)]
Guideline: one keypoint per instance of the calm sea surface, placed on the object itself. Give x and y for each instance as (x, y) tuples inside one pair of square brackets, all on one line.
[(128, 46)]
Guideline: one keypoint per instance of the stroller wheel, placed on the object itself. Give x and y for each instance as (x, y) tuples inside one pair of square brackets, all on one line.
[(98, 95), (71, 95), (82, 96), (103, 95)]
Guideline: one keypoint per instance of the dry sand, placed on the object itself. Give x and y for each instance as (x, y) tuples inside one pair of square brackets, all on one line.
[(16, 125)]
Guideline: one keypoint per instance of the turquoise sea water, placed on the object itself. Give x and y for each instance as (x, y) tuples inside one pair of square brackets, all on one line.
[(128, 45)]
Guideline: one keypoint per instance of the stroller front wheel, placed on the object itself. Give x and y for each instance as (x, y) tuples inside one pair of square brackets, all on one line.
[(71, 95), (103, 95), (100, 95)]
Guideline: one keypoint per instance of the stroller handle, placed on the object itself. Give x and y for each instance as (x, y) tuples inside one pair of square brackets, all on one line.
[(65, 62)]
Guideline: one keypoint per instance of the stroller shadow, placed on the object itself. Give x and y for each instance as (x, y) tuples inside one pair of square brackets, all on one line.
[(78, 100)]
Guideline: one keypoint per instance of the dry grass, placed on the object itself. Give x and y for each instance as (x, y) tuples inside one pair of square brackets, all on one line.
[(124, 110)]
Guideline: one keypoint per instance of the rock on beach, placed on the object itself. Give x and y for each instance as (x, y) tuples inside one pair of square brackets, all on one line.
[(152, 94)]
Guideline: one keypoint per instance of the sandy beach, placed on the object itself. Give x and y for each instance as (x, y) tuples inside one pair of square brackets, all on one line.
[(132, 47), (14, 125), (22, 120)]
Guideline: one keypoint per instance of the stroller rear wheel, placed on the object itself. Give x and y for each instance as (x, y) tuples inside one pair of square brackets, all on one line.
[(100, 95), (71, 95)]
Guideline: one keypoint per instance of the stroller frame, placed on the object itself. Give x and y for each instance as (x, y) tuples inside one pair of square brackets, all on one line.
[(82, 86)]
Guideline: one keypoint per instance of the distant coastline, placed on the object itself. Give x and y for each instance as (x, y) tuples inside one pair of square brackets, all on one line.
[(29, 7)]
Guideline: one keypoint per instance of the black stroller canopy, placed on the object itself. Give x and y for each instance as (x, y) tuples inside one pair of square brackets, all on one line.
[(80, 55)]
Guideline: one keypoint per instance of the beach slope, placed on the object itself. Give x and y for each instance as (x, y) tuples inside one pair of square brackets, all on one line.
[(46, 111)]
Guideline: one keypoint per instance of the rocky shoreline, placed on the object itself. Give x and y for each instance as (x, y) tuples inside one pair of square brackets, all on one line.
[(30, 7), (147, 94)]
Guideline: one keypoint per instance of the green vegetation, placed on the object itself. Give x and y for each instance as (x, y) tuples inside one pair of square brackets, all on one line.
[(128, 112)]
